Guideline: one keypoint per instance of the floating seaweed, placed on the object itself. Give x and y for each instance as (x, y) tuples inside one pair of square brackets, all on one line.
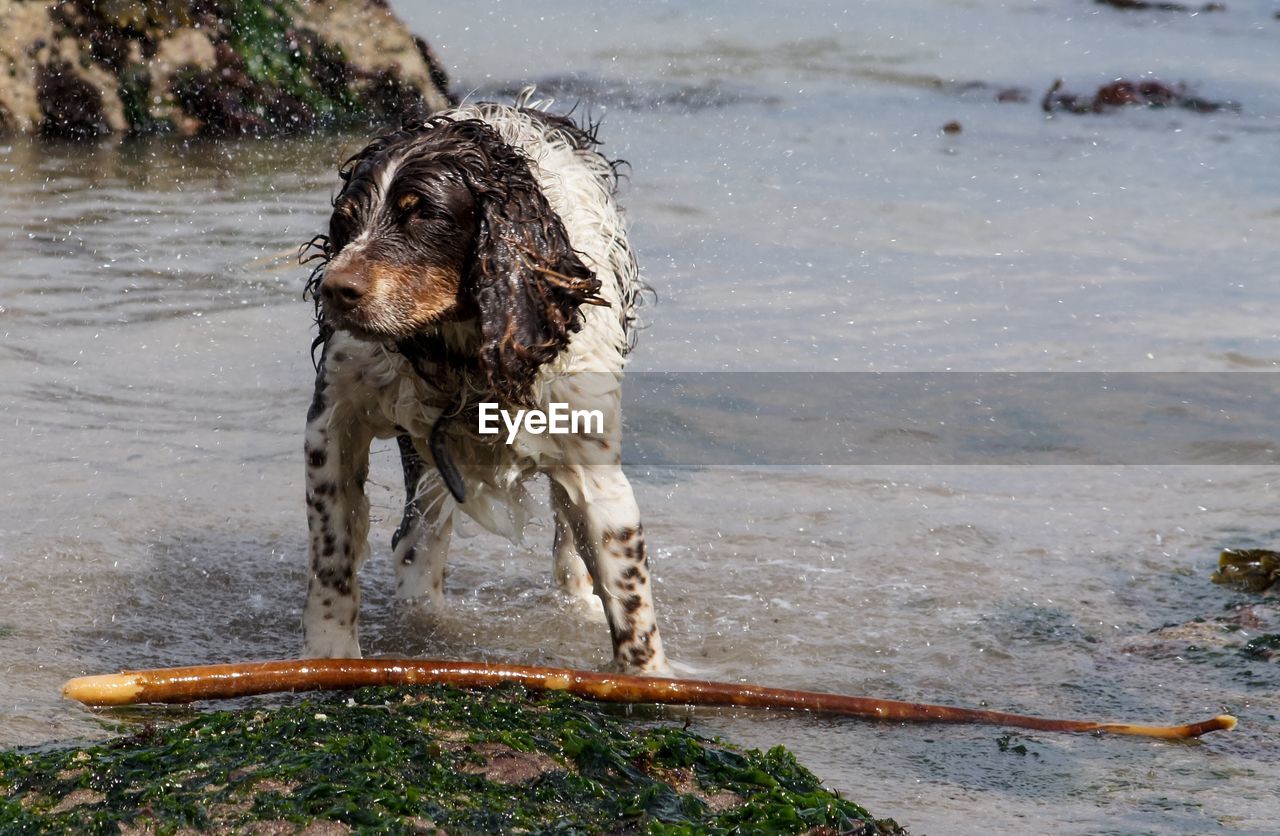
[(1262, 648), (1255, 570), (1145, 6), (1125, 93)]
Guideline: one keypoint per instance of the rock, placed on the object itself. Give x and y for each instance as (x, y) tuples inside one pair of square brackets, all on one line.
[(393, 61), (186, 48), (417, 760), (85, 68)]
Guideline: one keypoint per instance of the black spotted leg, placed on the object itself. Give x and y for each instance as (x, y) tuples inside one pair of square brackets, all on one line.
[(337, 453), (605, 521)]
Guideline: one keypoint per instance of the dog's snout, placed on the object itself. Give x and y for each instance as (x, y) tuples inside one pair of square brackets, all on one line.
[(343, 288)]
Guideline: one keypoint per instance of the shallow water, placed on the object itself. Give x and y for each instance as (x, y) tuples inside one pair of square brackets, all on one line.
[(797, 208)]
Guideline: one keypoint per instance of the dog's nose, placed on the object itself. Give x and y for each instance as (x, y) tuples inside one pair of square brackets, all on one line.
[(343, 289)]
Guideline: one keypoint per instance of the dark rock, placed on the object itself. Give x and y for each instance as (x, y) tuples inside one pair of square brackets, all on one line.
[(205, 96), (83, 68), (71, 107)]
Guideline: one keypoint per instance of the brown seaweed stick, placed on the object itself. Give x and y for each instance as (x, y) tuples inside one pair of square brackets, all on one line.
[(203, 682)]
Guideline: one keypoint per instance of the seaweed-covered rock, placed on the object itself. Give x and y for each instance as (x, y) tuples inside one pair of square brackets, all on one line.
[(1256, 570), (83, 68), (420, 761)]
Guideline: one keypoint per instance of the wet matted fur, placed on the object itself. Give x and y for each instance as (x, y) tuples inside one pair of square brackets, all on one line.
[(479, 256)]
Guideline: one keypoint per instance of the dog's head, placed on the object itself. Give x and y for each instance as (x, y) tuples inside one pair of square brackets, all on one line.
[(445, 222)]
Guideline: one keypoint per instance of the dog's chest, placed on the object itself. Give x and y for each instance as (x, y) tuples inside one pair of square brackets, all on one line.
[(381, 388)]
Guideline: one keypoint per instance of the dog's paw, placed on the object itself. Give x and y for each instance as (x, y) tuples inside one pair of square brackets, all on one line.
[(577, 585), (331, 645), (429, 601), (424, 611), (654, 667), (588, 606)]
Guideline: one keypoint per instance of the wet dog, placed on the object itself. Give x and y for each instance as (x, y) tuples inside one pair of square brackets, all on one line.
[(478, 259)]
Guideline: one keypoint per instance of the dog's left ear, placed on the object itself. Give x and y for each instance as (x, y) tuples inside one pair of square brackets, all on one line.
[(526, 280)]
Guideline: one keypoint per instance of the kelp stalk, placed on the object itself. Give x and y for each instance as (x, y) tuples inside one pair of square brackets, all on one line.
[(204, 682)]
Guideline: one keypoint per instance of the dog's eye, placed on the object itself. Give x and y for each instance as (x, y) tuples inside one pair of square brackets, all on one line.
[(414, 207), (407, 203)]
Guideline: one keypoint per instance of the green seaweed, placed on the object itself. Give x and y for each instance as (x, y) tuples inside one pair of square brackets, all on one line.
[(1255, 570), (135, 94), (1263, 648), (395, 761), (1005, 743), (278, 56)]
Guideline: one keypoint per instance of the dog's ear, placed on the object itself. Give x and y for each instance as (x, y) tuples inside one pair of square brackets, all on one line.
[(527, 282)]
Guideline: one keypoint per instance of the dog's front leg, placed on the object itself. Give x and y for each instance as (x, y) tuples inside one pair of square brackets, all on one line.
[(568, 567), (421, 543), (337, 452), (606, 527)]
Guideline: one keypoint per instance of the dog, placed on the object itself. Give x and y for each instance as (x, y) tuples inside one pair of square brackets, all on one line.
[(476, 259)]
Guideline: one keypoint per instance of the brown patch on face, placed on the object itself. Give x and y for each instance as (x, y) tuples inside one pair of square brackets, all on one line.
[(431, 292), (393, 300)]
